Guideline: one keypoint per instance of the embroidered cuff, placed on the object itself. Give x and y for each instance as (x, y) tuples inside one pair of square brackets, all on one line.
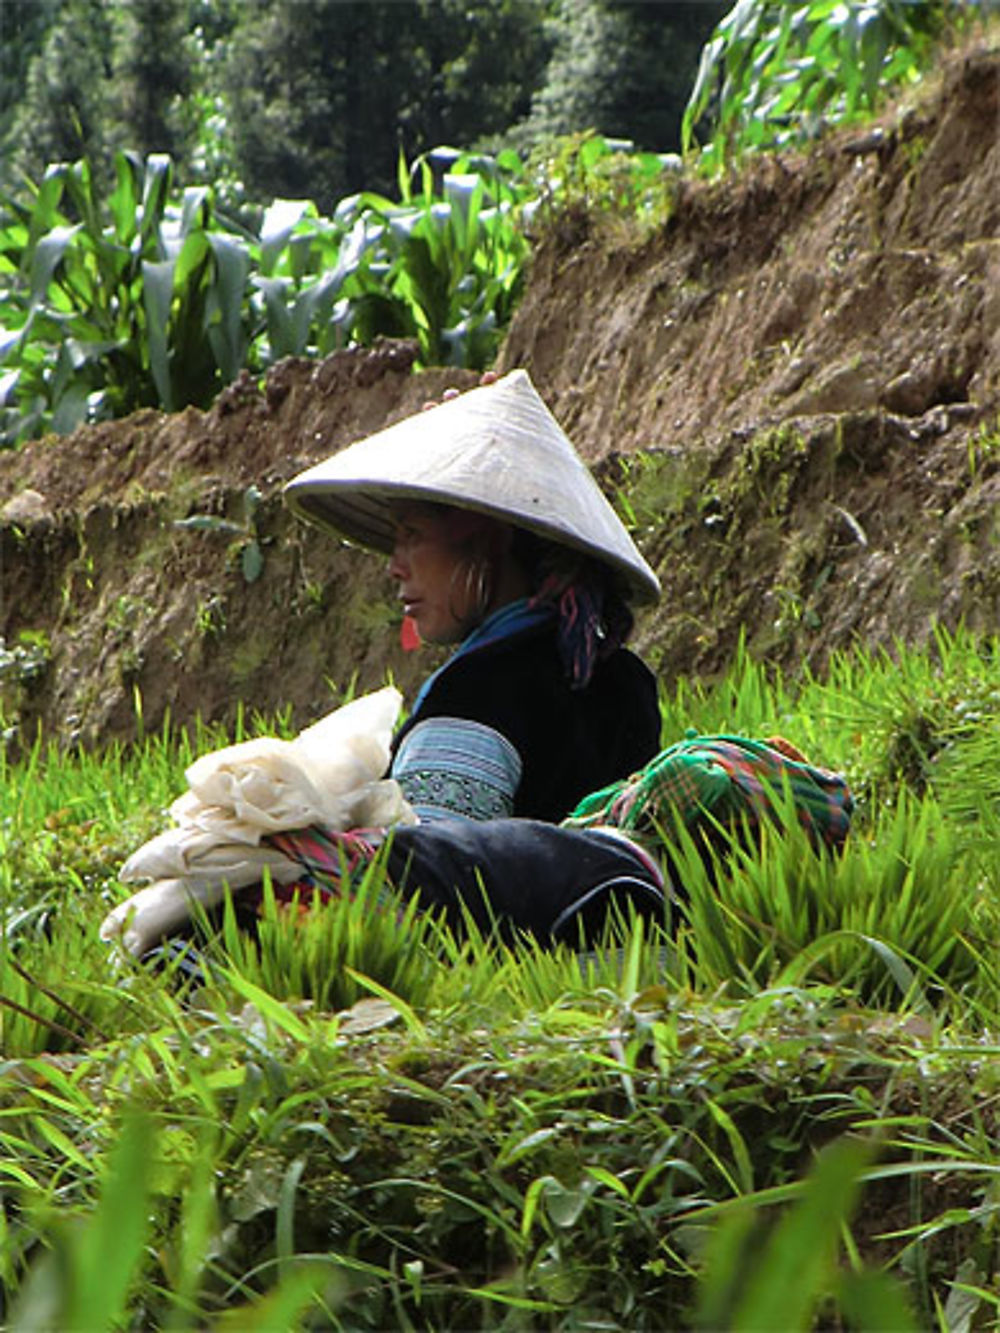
[(452, 768)]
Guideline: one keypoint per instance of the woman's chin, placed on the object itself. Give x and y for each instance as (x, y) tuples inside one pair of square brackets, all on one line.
[(441, 636)]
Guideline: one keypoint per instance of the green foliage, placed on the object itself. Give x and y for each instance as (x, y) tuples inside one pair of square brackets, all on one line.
[(116, 303), (323, 97), (362, 1121), (780, 1280), (151, 298), (775, 73), (334, 956), (620, 70), (248, 543), (592, 176), (445, 269)]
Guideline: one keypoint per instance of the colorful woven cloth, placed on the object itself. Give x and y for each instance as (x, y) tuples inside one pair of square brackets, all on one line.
[(454, 768), (729, 777), (331, 863)]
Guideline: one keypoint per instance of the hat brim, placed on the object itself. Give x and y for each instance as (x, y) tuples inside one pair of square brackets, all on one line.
[(365, 518), (495, 450)]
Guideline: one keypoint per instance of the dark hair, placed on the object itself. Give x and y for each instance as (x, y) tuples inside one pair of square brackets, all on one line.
[(586, 594)]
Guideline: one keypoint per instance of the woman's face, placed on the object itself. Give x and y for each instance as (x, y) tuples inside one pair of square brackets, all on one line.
[(431, 569)]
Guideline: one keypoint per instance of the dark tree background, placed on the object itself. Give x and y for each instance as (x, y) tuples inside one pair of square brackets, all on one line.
[(317, 98), (624, 68), (151, 76), (326, 94), (62, 113)]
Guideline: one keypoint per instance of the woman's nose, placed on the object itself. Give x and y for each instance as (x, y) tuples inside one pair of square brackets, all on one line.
[(398, 567)]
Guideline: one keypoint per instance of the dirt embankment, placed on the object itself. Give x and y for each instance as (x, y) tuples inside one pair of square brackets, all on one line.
[(793, 386)]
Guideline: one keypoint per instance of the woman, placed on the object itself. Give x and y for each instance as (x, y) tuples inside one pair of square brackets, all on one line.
[(501, 543)]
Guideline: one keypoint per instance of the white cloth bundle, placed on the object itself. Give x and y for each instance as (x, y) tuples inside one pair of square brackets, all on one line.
[(330, 775)]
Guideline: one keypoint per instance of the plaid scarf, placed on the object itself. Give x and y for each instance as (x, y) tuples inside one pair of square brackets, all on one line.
[(730, 777), (331, 863)]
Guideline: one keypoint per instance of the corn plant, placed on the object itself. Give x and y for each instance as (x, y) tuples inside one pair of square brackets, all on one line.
[(442, 268), (152, 298), (302, 260), (119, 303), (775, 73)]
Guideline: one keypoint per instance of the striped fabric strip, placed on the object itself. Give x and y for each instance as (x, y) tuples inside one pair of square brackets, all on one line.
[(451, 767), (331, 863)]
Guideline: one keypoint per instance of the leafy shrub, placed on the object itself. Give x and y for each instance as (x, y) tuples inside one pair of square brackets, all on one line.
[(775, 73), (147, 298), (116, 304), (592, 173)]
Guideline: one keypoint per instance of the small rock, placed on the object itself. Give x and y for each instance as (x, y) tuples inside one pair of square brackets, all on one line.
[(26, 507), (844, 388), (911, 393), (869, 142)]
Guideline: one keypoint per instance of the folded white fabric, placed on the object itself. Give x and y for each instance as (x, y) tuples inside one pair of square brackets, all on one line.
[(330, 774)]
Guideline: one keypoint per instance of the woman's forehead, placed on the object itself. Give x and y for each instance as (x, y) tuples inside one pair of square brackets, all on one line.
[(405, 511), (451, 522)]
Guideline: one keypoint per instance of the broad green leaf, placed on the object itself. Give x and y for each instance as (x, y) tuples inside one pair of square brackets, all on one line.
[(45, 215), (124, 198), (79, 184), (270, 1009), (192, 264), (113, 1239), (225, 303), (252, 562), (744, 1165), (70, 409), (194, 209), (277, 226), (284, 1225), (285, 1305), (156, 188), (50, 1131), (281, 331), (784, 1287), (563, 1203), (48, 255), (157, 297), (525, 1145)]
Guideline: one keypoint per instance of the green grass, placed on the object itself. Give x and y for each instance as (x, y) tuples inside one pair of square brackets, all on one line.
[(364, 1124)]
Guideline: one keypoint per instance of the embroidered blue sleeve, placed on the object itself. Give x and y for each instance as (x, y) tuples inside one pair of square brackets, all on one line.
[(451, 768)]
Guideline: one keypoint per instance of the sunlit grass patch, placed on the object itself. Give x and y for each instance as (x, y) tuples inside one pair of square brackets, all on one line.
[(364, 1120)]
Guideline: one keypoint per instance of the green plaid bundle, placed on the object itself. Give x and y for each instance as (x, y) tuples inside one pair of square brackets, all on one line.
[(732, 778)]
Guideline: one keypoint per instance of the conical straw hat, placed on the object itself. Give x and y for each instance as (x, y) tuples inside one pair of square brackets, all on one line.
[(495, 449)]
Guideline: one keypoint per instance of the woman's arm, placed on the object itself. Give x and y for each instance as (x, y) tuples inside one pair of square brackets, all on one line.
[(454, 768)]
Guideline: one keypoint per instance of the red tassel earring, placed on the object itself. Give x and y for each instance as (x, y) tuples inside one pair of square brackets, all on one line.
[(409, 635)]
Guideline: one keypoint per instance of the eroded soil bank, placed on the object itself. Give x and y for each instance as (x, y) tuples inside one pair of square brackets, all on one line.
[(792, 389)]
